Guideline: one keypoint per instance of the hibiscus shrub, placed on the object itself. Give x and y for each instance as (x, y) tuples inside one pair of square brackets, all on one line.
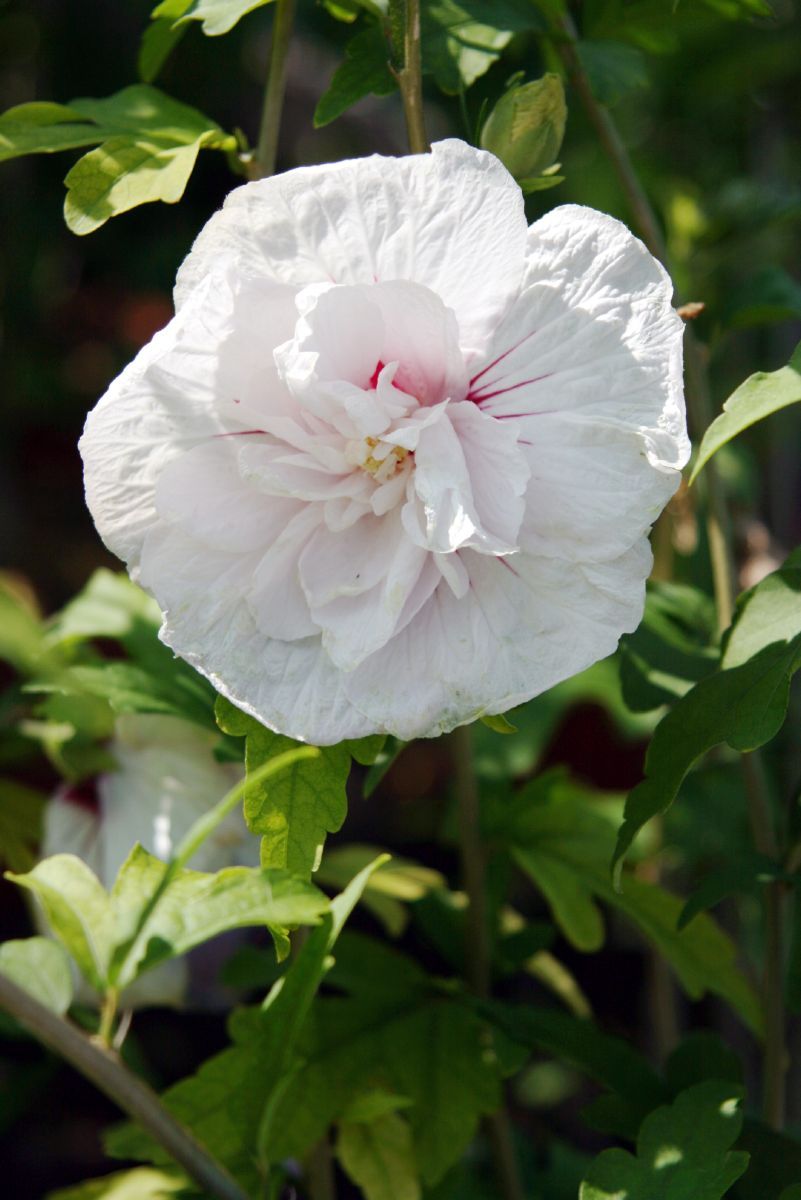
[(374, 750)]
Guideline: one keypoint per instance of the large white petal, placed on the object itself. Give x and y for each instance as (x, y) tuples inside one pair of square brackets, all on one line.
[(592, 492), (452, 220), (515, 634), (179, 391), (290, 686), (591, 334)]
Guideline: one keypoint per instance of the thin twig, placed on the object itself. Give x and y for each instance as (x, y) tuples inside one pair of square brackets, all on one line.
[(114, 1079), (410, 79), (719, 536), (478, 944), (263, 162)]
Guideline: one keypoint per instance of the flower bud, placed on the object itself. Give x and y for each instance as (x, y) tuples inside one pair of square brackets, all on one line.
[(526, 126)]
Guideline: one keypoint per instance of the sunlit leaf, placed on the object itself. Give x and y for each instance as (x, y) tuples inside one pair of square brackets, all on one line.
[(760, 396), (41, 967), (295, 810), (378, 1155)]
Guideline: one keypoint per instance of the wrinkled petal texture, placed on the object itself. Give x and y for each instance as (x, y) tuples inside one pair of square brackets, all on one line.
[(394, 463)]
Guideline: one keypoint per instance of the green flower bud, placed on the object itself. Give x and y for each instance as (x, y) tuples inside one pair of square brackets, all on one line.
[(526, 126)]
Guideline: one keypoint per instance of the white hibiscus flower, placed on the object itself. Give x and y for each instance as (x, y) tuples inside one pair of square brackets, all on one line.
[(166, 777), (394, 462)]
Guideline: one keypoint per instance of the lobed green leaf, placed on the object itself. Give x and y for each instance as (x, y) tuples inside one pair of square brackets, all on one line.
[(683, 1151)]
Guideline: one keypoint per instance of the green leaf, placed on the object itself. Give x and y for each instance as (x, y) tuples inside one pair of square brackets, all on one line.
[(744, 703), (365, 71), (218, 16), (41, 967), (379, 1157), (128, 687), (78, 910), (461, 39), (197, 906), (158, 42), (700, 1056), (672, 649), (149, 146), (579, 1043), (295, 810), (367, 750), (562, 840), (397, 881), (613, 69), (682, 1151), (430, 1049), (762, 394), (43, 128), (526, 127), (498, 723), (109, 606), (232, 1102), (121, 174), (21, 633), (142, 1183)]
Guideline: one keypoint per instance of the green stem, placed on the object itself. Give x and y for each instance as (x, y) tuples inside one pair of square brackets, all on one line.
[(267, 147), (478, 944), (410, 79), (129, 1092), (108, 1012), (719, 536)]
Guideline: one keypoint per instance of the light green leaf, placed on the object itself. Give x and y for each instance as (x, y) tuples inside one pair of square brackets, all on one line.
[(295, 810), (44, 128), (744, 703), (526, 127), (397, 881), (78, 910), (682, 1151), (461, 39), (372, 1104), (109, 606), (21, 633), (142, 1183), (232, 1103), (146, 112), (364, 71), (613, 69), (562, 840), (498, 723), (762, 394), (149, 146), (196, 906), (41, 967), (218, 16), (121, 174), (379, 1157), (130, 688)]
